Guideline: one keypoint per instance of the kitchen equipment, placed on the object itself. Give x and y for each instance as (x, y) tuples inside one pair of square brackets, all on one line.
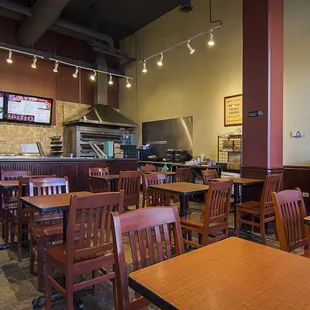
[(130, 151), (144, 152), (170, 155), (56, 146), (182, 156)]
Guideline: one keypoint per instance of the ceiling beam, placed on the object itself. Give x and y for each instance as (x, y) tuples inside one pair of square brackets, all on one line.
[(44, 14)]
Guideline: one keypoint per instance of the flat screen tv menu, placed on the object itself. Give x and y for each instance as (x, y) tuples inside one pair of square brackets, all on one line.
[(29, 109)]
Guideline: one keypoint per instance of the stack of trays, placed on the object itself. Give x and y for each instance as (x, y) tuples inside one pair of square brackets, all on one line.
[(56, 146)]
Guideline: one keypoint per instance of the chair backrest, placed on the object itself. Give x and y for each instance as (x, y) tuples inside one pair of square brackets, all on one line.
[(14, 175), (148, 169), (290, 212), (129, 181), (208, 176), (98, 171), (155, 197), (93, 215), (48, 186), (217, 204), (182, 174), (272, 184), (148, 229)]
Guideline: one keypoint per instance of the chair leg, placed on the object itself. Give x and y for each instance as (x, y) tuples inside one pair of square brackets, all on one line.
[(143, 199), (6, 225), (237, 222), (252, 227), (262, 230), (69, 292), (115, 294), (31, 262), (199, 238), (95, 287), (11, 235), (40, 270), (48, 286), (19, 243)]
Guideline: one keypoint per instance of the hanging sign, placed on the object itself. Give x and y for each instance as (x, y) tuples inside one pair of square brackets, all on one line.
[(233, 110)]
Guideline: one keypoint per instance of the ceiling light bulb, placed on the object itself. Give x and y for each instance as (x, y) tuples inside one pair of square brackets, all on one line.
[(34, 62), (211, 41), (93, 76), (9, 59), (191, 50), (76, 72), (144, 70), (110, 80), (160, 62), (128, 85), (56, 67)]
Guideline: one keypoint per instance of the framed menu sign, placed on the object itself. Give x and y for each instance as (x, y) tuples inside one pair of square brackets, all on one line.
[(233, 110)]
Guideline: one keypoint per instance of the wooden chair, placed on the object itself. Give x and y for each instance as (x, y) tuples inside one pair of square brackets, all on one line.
[(290, 212), (208, 176), (9, 199), (154, 197), (212, 225), (263, 210), (146, 169), (98, 185), (182, 175), (156, 224), (91, 252), (129, 181), (44, 228)]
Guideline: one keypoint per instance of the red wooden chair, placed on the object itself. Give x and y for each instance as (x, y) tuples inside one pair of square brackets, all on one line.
[(148, 229), (290, 212), (129, 181), (154, 197), (212, 225), (182, 175), (208, 176), (91, 252), (98, 185), (263, 210), (145, 170), (9, 199)]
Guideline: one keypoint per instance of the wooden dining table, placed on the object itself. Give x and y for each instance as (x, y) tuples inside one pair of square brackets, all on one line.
[(184, 189), (230, 274), (112, 178)]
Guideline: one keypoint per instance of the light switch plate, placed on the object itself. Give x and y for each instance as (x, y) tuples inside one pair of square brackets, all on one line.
[(296, 134)]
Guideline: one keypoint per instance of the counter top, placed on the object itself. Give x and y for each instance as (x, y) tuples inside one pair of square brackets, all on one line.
[(57, 159), (175, 164)]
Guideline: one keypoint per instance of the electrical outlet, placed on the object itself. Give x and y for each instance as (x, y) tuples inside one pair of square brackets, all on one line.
[(304, 194), (296, 134)]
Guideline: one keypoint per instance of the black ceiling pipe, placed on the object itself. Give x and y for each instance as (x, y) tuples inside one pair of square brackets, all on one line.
[(186, 6)]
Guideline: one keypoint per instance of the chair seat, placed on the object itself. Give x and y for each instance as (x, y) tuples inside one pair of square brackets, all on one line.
[(50, 230), (249, 207), (195, 220)]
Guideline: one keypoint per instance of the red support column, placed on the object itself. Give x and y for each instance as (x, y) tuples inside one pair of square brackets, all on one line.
[(262, 87)]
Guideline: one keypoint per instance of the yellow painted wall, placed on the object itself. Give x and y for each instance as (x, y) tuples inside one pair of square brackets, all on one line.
[(187, 85)]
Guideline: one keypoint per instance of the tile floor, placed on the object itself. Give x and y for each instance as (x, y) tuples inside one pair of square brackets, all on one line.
[(18, 287)]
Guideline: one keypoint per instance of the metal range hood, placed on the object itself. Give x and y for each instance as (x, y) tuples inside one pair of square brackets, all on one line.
[(101, 113)]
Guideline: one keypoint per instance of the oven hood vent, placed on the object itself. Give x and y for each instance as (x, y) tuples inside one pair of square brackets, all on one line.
[(101, 114)]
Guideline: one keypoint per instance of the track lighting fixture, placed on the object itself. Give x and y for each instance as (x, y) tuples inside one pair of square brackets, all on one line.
[(34, 62), (191, 50), (93, 76), (160, 61), (128, 85), (76, 72), (144, 70), (9, 59), (211, 40), (110, 80), (56, 67)]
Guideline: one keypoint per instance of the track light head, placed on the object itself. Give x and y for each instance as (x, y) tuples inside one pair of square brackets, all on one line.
[(56, 67), (211, 40), (76, 72), (34, 62), (128, 85), (191, 50), (110, 80), (93, 76), (144, 69), (160, 61), (9, 60)]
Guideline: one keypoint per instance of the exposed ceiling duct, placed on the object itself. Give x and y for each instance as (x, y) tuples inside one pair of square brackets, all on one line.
[(43, 15), (186, 6)]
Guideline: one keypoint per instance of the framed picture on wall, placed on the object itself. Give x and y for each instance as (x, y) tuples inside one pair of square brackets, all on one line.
[(233, 110)]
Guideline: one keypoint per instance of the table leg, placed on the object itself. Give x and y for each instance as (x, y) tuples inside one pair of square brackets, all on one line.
[(237, 200), (113, 186), (183, 202)]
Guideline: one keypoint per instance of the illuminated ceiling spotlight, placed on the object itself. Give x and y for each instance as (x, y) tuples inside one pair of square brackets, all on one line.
[(144, 69), (34, 62), (93, 76), (128, 85), (160, 61), (56, 67), (191, 50), (76, 72), (110, 80), (9, 60), (211, 40)]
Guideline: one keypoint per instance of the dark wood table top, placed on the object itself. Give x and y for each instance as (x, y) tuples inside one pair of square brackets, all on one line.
[(230, 274), (48, 203), (184, 188), (9, 183), (107, 177), (241, 181), (307, 220)]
